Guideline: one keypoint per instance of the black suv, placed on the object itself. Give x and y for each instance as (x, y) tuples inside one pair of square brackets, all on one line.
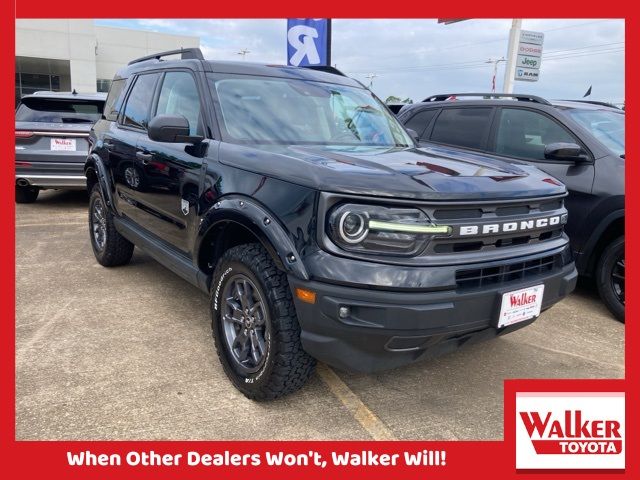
[(580, 143), (299, 203)]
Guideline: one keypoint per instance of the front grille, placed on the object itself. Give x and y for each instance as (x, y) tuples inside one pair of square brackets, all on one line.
[(504, 274), (444, 246), (494, 213)]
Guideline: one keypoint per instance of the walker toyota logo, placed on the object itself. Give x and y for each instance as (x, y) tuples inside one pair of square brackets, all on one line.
[(572, 430)]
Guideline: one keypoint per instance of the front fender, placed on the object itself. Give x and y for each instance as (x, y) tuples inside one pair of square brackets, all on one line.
[(262, 223)]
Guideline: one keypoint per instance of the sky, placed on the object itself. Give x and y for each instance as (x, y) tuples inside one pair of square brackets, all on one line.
[(417, 58)]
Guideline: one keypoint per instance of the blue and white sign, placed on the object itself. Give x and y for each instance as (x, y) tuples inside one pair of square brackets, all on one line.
[(308, 41)]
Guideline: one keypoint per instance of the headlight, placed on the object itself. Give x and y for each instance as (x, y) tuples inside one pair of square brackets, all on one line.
[(382, 230)]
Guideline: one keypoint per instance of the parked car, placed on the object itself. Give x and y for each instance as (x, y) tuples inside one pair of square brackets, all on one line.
[(52, 129), (579, 143), (298, 202)]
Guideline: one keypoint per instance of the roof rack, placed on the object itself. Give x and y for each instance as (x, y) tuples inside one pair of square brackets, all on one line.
[(518, 96), (325, 68), (185, 53)]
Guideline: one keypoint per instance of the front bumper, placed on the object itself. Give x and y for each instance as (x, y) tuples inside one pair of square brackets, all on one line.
[(388, 328)]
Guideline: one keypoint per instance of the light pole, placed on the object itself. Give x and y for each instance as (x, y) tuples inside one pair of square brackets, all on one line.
[(371, 76), (243, 52), (495, 71), (512, 55)]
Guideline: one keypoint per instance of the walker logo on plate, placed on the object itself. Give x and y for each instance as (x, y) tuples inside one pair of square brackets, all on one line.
[(65, 144), (529, 56), (570, 430), (520, 305), (308, 41)]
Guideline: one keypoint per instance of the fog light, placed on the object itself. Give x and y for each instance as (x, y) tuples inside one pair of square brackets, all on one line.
[(343, 312)]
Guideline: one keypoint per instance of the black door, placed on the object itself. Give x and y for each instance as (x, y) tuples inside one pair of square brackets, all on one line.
[(523, 133), (128, 178), (172, 171)]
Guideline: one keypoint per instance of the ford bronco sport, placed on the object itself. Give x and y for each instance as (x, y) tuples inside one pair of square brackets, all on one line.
[(298, 202)]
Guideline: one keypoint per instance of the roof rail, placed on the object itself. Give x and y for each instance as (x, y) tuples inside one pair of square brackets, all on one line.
[(325, 68), (518, 96), (594, 102), (186, 53)]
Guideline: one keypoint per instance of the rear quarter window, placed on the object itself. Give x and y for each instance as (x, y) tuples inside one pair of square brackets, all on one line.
[(114, 99), (420, 121)]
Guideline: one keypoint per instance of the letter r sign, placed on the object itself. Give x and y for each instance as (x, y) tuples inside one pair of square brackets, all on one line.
[(308, 41)]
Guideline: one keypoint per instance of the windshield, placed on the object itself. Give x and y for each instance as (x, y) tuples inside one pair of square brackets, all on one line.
[(299, 112), (48, 110), (607, 126)]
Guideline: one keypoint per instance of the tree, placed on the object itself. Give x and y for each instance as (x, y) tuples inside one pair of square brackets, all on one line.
[(394, 99)]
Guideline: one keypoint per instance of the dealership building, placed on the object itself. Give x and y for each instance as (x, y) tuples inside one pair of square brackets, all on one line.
[(66, 55)]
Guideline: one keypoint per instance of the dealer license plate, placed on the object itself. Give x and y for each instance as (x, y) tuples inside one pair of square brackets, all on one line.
[(520, 305), (64, 144)]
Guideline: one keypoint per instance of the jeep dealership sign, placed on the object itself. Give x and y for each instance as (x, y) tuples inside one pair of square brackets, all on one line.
[(529, 56)]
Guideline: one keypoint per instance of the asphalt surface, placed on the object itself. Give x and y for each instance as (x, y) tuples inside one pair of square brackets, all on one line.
[(126, 353)]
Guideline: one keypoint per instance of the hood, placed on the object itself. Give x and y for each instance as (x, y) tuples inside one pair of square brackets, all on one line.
[(433, 173)]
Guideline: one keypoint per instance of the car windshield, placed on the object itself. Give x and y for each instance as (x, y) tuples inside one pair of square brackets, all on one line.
[(606, 125), (53, 110), (269, 110)]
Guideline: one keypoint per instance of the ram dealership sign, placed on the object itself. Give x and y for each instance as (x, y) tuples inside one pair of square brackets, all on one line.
[(529, 56)]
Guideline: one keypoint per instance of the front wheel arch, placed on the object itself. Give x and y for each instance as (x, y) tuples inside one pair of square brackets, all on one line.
[(236, 220)]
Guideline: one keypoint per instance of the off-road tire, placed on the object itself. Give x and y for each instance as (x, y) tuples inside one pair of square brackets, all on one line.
[(287, 366), (26, 194), (606, 265), (116, 250)]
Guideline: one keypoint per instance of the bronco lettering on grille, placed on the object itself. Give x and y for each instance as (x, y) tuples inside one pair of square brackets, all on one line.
[(510, 227)]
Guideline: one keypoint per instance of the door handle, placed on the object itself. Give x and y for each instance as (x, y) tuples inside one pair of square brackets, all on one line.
[(144, 157)]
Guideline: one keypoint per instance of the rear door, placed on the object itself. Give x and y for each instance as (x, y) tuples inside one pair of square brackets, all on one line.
[(171, 171), (122, 145)]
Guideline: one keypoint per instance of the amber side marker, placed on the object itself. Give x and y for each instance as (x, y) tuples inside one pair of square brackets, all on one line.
[(306, 296)]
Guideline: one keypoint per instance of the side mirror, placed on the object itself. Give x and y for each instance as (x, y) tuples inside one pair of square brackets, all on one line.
[(413, 134), (171, 129), (570, 152)]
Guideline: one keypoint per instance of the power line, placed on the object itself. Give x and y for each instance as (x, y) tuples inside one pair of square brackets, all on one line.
[(584, 48), (478, 63)]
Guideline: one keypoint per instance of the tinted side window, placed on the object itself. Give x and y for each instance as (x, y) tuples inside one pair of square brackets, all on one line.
[(136, 112), (524, 134), (464, 127), (421, 120), (114, 100), (179, 96)]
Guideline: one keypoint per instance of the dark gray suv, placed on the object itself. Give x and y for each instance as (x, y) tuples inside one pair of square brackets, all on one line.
[(582, 144), (52, 131)]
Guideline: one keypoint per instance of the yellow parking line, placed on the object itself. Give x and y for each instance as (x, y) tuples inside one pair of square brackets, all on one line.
[(360, 412), (49, 224)]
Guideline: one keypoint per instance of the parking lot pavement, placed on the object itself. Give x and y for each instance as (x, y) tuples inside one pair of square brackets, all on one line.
[(126, 353)]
